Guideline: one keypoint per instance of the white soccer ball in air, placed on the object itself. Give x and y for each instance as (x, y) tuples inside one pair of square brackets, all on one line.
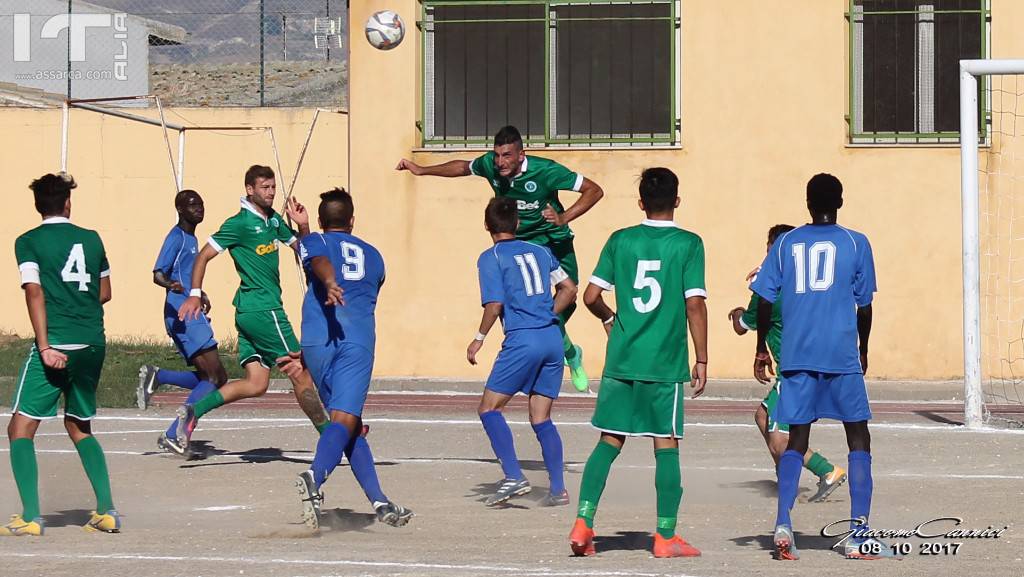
[(385, 30)]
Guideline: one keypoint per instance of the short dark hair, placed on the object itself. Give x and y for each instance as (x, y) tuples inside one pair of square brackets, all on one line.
[(508, 135), (824, 193), (51, 192), (183, 196), (257, 171), (659, 188), (336, 208), (777, 231), (501, 215)]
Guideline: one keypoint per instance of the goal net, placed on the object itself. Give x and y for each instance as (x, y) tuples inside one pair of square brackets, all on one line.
[(993, 91)]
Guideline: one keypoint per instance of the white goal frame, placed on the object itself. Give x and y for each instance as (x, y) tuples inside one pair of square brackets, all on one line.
[(970, 71)]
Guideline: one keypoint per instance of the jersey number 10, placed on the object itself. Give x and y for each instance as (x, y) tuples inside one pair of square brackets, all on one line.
[(822, 271)]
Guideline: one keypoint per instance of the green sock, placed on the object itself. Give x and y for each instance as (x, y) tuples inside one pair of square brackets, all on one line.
[(668, 482), (320, 428), (95, 465), (26, 476), (208, 403), (595, 475), (819, 465)]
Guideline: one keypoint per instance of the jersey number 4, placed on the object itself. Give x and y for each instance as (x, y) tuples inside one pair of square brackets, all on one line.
[(822, 271), (74, 268)]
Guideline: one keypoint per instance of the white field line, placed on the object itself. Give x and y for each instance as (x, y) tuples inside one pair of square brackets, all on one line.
[(191, 560)]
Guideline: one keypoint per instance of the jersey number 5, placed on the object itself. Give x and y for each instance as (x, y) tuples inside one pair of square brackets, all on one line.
[(643, 281), (822, 271), (74, 268)]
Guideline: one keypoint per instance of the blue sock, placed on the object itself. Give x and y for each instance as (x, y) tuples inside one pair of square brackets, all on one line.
[(328, 451), (201, 390), (790, 465), (361, 460), (551, 449), (183, 379), (502, 443), (861, 485)]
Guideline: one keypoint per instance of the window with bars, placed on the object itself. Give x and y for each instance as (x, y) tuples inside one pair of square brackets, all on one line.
[(565, 72), (904, 67)]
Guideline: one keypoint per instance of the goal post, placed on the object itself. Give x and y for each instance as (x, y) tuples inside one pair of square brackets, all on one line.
[(970, 73)]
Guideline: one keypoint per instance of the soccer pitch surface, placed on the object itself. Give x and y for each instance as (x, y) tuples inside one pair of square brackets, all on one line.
[(236, 512)]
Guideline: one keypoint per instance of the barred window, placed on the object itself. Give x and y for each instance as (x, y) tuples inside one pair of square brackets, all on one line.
[(565, 72), (904, 67)]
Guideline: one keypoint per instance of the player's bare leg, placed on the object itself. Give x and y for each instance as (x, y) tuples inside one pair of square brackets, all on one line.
[(514, 483), (309, 400), (551, 449)]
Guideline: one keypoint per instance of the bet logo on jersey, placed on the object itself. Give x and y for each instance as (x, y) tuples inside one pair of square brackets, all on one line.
[(523, 205), (264, 249)]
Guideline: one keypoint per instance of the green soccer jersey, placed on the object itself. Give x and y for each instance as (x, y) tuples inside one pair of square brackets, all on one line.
[(536, 186), (67, 261), (253, 240), (653, 268), (749, 322)]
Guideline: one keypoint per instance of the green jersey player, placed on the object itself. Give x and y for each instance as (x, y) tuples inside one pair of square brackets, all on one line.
[(657, 272), (776, 435), (252, 238), (534, 183), (66, 279)]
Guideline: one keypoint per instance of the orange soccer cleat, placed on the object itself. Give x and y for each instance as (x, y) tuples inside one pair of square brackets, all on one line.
[(581, 539), (674, 547)]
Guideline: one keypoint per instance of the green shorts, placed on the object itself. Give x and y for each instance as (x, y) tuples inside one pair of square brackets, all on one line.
[(264, 336), (639, 408), (769, 402), (40, 388), (564, 251)]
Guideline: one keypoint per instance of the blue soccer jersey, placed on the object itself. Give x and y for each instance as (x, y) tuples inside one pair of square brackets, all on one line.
[(359, 271), (177, 255), (823, 273), (519, 275)]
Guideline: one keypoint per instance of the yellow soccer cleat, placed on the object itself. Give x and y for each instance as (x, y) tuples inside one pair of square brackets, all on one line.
[(109, 522), (18, 527)]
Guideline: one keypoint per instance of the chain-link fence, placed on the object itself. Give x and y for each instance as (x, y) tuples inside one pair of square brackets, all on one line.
[(188, 52)]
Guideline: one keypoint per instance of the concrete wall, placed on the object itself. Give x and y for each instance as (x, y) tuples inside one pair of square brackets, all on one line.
[(763, 109)]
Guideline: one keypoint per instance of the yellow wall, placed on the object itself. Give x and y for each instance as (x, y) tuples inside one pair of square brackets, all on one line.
[(762, 110)]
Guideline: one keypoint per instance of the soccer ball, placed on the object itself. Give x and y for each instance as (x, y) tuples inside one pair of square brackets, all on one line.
[(385, 30)]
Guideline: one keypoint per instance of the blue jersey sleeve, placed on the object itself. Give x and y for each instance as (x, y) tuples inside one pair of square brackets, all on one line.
[(312, 245), (769, 279), (864, 286), (491, 288), (169, 251)]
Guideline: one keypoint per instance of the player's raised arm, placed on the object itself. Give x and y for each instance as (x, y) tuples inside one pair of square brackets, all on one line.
[(193, 305), (590, 193), (450, 169), (297, 212)]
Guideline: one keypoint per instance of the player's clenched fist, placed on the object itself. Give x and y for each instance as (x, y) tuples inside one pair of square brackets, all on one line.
[(410, 166)]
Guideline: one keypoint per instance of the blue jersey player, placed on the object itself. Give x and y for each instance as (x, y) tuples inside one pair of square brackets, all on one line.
[(515, 285), (338, 340), (193, 338), (825, 276)]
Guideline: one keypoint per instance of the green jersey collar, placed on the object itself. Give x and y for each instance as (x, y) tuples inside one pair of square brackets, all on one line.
[(252, 208), (56, 220), (660, 223)]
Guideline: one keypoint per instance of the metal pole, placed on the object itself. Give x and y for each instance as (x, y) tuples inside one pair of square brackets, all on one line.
[(262, 82), (969, 202), (64, 118), (69, 48), (348, 90), (284, 34), (181, 160), (328, 8)]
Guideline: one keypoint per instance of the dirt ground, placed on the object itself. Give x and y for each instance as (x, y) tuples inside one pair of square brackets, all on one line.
[(235, 512)]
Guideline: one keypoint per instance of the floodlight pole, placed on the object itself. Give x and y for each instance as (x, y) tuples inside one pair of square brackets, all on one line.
[(262, 83), (64, 118), (181, 160)]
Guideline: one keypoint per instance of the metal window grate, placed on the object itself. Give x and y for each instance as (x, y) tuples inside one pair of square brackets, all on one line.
[(566, 72), (904, 67)]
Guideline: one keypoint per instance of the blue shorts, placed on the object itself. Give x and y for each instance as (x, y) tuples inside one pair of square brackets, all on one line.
[(530, 361), (190, 337), (341, 372), (806, 396)]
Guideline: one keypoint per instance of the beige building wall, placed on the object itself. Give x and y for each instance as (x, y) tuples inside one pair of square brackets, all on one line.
[(762, 110)]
